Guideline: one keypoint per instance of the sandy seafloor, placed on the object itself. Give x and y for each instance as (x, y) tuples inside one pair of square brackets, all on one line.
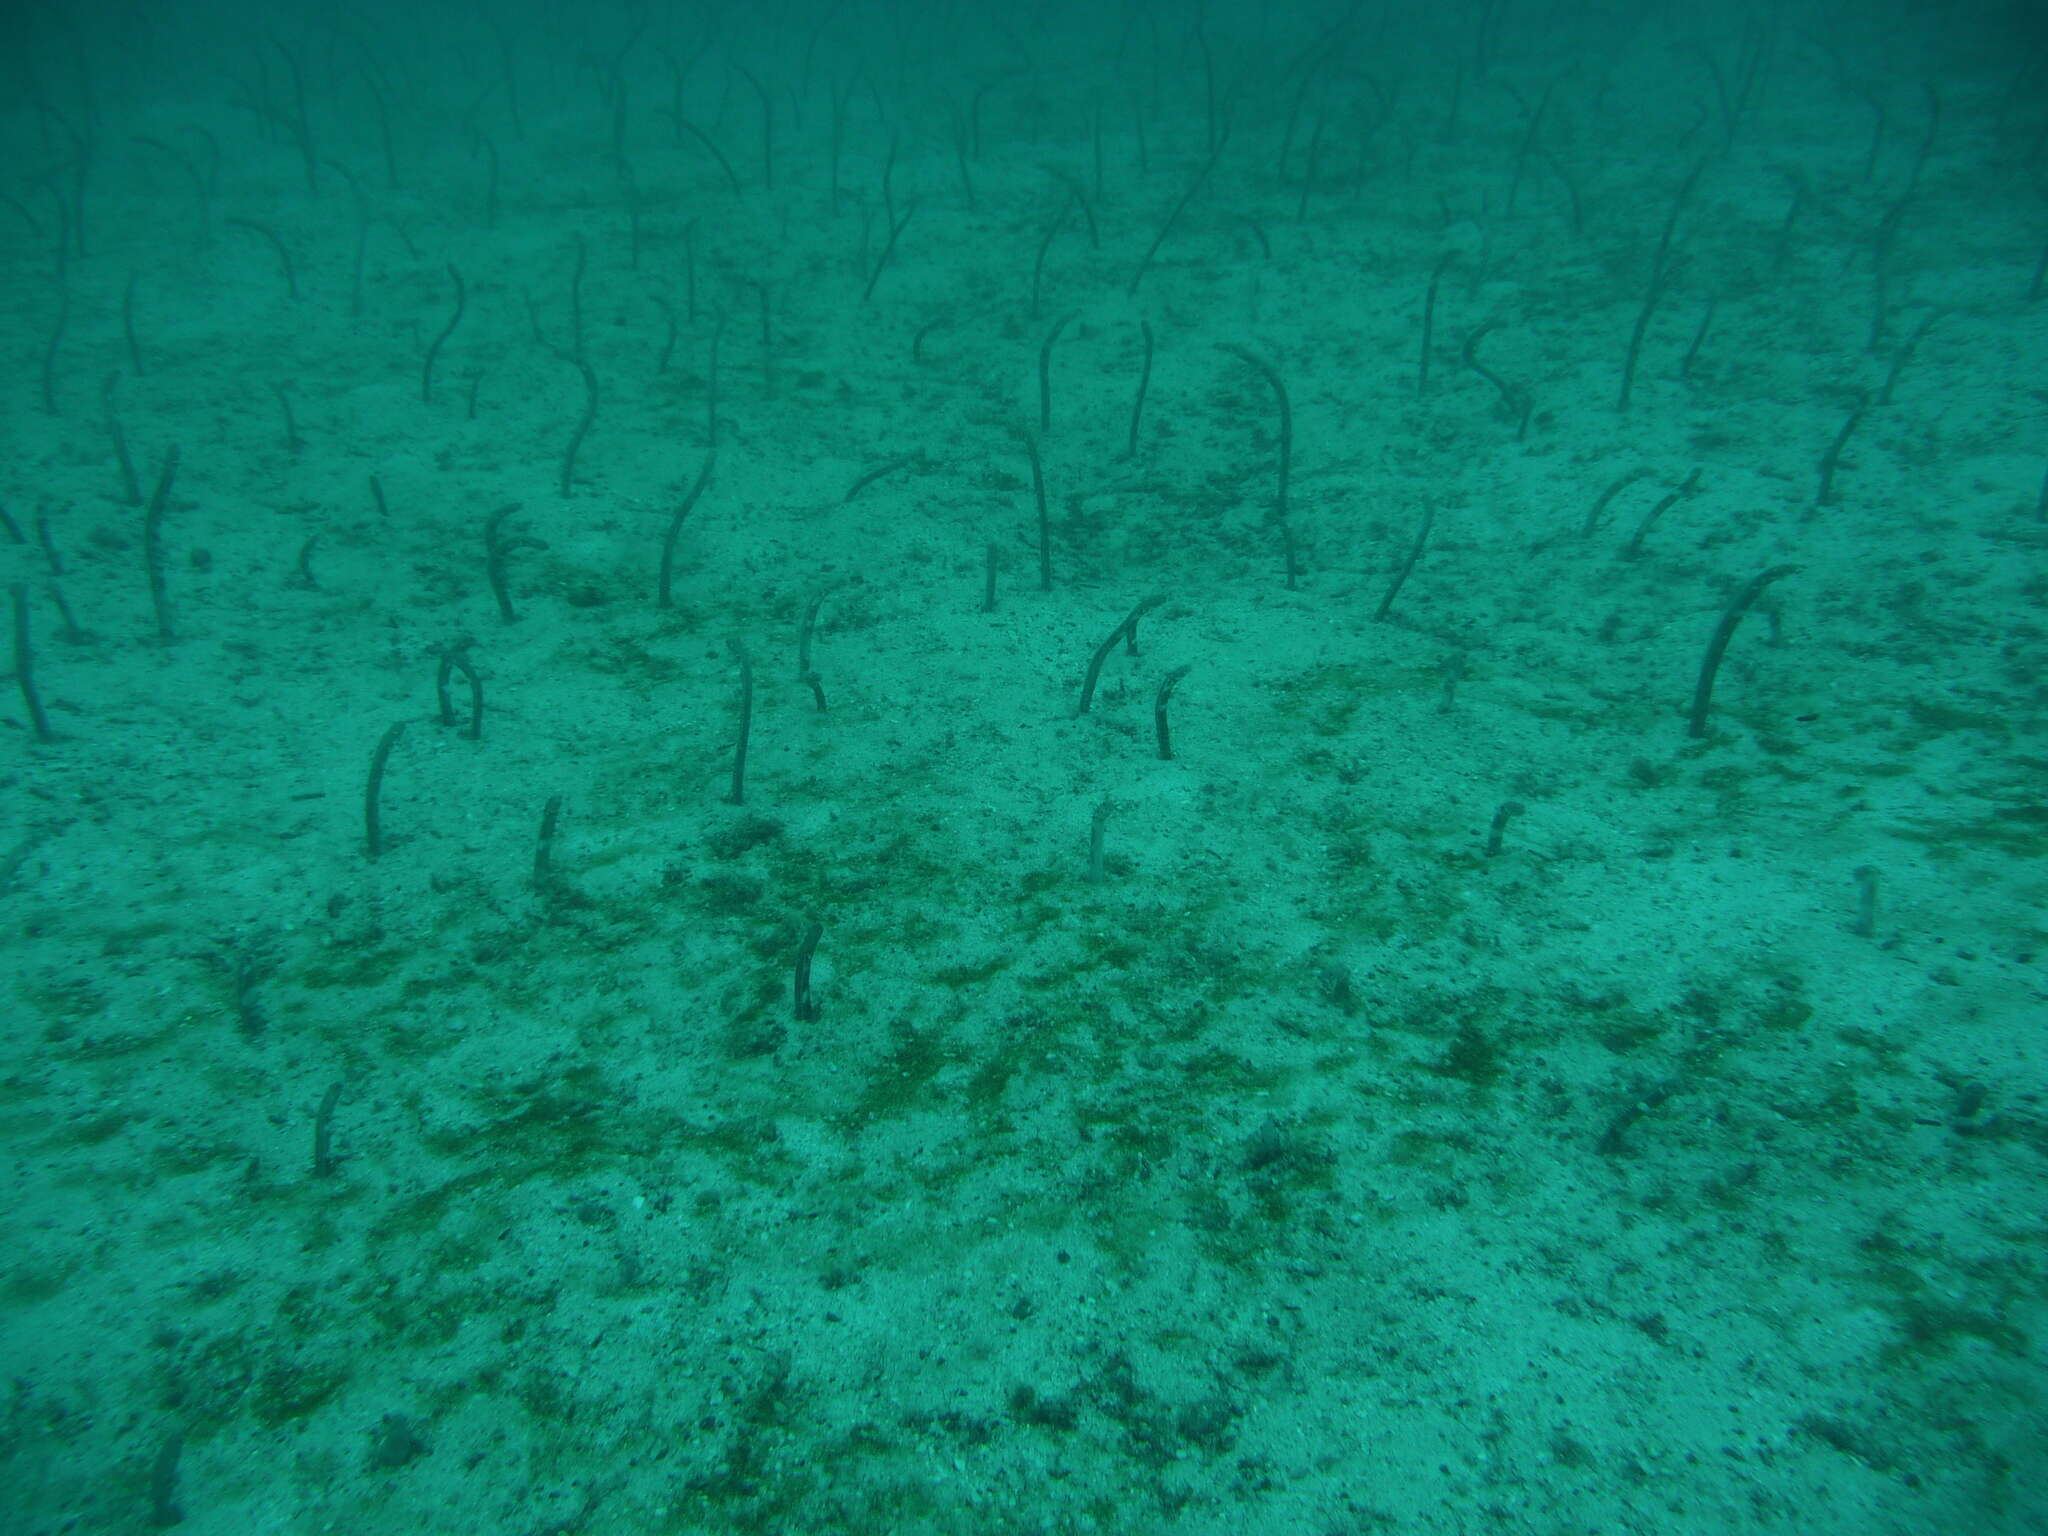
[(1313, 1169)]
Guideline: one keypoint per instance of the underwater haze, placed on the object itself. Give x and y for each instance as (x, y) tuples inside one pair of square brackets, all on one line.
[(924, 768)]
